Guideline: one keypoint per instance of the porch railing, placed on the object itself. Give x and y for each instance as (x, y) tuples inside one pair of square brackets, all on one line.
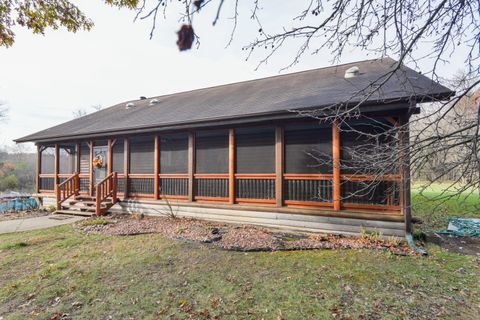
[(105, 189), (66, 189)]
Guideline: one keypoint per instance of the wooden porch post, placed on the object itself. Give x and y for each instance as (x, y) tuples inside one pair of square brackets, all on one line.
[(55, 179), (77, 158), (404, 137), (110, 158), (90, 171), (231, 166), (126, 166), (279, 165), (336, 165), (191, 165), (37, 168), (156, 166)]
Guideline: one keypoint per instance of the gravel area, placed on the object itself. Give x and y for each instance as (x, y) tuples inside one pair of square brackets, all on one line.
[(22, 214), (233, 237)]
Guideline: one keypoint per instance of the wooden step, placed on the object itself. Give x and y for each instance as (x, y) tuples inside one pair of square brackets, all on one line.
[(86, 208), (75, 212), (88, 203), (85, 198)]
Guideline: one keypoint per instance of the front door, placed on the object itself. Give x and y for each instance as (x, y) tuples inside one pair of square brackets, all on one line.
[(100, 169)]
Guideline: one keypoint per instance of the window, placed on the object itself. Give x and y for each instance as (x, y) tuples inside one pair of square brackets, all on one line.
[(212, 151), (174, 153), (308, 149), (142, 155), (255, 150), (48, 161)]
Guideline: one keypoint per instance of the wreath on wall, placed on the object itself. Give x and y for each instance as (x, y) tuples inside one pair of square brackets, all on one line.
[(98, 161)]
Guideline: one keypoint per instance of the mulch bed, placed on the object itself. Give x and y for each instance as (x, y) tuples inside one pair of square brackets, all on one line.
[(461, 245), (233, 237), (22, 214)]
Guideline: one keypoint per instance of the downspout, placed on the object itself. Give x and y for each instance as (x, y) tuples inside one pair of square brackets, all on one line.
[(406, 181)]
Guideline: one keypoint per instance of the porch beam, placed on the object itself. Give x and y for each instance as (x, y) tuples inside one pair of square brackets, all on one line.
[(191, 165), (336, 165), (231, 166), (279, 165), (156, 167)]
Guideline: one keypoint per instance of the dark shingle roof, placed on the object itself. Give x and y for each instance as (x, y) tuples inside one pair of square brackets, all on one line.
[(268, 96)]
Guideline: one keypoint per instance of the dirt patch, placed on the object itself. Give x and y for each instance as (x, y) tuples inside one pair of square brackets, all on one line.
[(23, 215), (233, 237), (461, 245)]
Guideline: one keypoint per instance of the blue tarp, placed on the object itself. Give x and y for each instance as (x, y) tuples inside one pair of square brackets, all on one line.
[(18, 204)]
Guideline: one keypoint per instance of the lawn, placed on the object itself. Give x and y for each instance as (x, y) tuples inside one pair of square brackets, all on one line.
[(435, 207), (47, 273)]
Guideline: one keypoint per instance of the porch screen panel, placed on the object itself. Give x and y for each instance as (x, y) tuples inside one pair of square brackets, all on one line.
[(212, 151), (174, 164), (174, 153), (118, 156), (84, 158), (255, 150), (308, 163), (255, 154), (47, 167), (212, 159), (48, 161), (359, 142), (67, 159), (142, 162), (142, 155), (370, 174), (308, 149)]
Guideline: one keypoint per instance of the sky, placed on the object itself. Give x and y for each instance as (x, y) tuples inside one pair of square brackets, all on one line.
[(44, 79)]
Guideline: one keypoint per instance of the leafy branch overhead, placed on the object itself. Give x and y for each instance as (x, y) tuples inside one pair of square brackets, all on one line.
[(38, 15)]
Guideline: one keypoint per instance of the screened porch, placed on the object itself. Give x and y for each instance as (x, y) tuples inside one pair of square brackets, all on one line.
[(302, 165)]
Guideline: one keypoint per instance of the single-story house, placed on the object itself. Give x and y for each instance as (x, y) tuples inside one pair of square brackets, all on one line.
[(238, 152)]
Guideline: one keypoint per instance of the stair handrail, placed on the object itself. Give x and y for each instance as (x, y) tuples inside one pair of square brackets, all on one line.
[(66, 189), (104, 189)]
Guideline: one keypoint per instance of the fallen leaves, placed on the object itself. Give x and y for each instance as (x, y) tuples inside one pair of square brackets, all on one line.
[(239, 238)]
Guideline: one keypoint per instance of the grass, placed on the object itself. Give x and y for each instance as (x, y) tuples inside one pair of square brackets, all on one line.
[(435, 206), (95, 222), (60, 270)]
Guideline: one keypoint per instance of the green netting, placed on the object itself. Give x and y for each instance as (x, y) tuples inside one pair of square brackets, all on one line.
[(462, 227)]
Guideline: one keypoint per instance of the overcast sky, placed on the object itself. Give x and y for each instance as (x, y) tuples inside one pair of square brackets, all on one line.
[(44, 79)]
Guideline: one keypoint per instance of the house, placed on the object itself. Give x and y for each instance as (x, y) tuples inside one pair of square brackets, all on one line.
[(239, 153)]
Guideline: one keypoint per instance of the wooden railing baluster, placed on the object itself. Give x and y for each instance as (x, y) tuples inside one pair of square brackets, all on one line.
[(66, 189), (105, 189)]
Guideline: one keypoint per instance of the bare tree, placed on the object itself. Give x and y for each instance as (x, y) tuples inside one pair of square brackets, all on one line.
[(424, 34), (80, 112)]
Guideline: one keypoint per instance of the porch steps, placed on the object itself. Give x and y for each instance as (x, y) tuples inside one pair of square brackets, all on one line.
[(83, 206)]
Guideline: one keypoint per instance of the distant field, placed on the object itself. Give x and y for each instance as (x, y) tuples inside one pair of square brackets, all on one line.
[(435, 206)]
